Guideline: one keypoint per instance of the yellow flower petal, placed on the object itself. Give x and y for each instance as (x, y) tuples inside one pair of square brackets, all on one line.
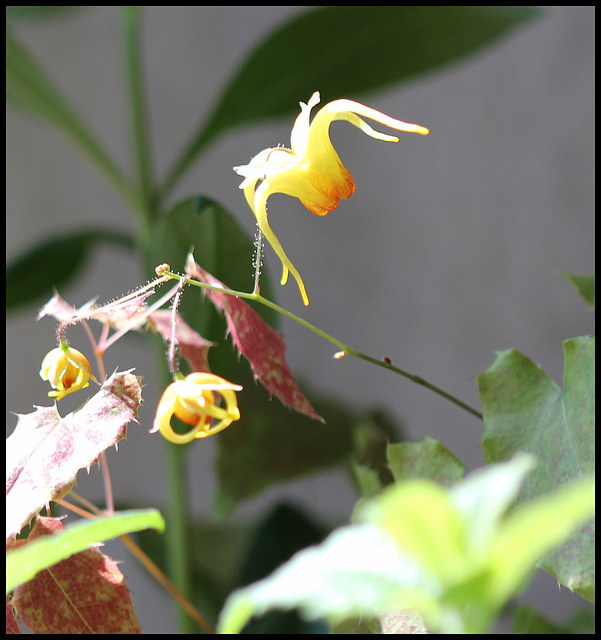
[(311, 169), (192, 401), (66, 369)]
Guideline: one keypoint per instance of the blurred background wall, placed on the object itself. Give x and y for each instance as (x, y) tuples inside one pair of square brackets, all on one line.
[(449, 250)]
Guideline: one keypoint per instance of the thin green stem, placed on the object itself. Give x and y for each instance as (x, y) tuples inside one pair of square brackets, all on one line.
[(130, 23), (345, 349), (177, 512)]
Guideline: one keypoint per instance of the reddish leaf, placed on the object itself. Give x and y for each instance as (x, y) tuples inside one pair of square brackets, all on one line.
[(11, 620), (261, 345), (86, 593), (191, 344), (45, 451)]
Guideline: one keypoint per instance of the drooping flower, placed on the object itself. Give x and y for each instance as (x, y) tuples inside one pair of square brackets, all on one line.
[(192, 400), (66, 369), (311, 169)]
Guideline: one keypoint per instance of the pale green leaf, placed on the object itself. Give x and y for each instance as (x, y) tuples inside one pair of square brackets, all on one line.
[(24, 563)]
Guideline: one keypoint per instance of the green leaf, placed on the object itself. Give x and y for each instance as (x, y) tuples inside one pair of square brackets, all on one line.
[(24, 563), (32, 276), (427, 459), (585, 285), (31, 89), (524, 410), (344, 51), (421, 546), (31, 12)]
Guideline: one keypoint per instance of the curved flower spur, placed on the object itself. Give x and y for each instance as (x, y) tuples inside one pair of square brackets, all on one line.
[(311, 169)]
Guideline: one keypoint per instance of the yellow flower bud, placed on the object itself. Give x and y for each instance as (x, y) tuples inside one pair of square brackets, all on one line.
[(66, 369), (192, 400)]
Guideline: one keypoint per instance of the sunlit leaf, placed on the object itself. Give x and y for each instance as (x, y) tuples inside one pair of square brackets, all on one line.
[(45, 451), (343, 51), (32, 276), (85, 593), (421, 546), (525, 410), (26, 560)]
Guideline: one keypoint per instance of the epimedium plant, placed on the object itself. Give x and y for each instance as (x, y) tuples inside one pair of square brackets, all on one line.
[(427, 548)]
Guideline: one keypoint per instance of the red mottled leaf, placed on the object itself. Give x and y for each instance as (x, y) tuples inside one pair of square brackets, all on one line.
[(11, 620), (191, 344), (45, 451), (261, 345), (86, 593)]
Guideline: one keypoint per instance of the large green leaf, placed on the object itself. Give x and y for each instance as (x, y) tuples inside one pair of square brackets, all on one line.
[(524, 410), (343, 51), (451, 554), (33, 275)]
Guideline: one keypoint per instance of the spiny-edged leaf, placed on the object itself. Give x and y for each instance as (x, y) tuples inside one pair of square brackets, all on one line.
[(28, 86), (585, 285), (271, 444), (34, 274), (427, 459), (85, 593), (12, 626), (26, 560), (45, 451), (524, 410), (343, 51), (262, 346), (191, 345), (223, 248)]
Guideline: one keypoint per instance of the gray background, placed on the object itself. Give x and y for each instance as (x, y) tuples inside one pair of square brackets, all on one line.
[(449, 250)]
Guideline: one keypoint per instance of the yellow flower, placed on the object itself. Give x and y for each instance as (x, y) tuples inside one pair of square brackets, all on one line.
[(66, 369), (192, 401), (311, 169)]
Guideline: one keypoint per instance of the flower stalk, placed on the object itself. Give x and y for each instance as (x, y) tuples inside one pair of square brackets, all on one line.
[(344, 348)]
